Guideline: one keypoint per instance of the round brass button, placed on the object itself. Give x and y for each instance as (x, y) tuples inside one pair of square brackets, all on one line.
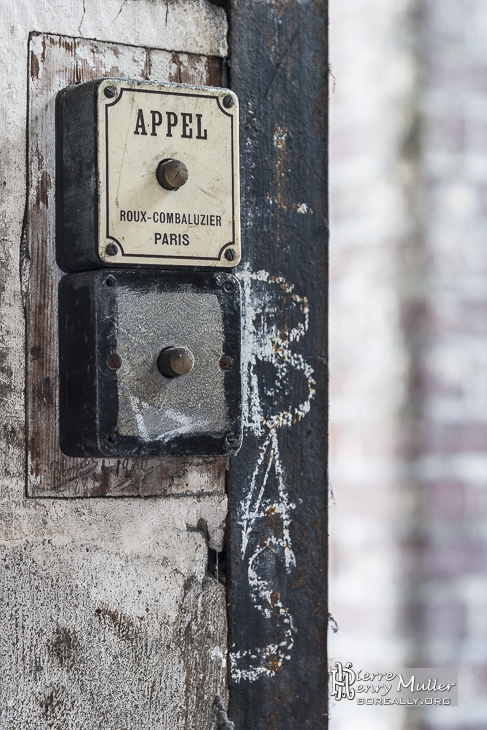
[(175, 361), (171, 174)]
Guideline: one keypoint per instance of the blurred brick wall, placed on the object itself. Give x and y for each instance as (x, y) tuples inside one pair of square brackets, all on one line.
[(370, 118), (445, 321), (409, 348)]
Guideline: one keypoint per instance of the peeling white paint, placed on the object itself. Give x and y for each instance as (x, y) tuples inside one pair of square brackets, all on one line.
[(267, 339), (217, 655), (192, 25)]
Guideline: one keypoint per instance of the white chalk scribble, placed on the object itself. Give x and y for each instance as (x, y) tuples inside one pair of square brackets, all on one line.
[(274, 318)]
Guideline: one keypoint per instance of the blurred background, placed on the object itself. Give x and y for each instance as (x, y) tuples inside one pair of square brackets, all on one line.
[(408, 470)]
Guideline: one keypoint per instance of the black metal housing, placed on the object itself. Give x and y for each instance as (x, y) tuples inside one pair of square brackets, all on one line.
[(90, 325), (77, 194), (76, 178)]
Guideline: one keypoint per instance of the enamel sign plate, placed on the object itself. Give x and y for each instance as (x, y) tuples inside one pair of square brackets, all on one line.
[(140, 126)]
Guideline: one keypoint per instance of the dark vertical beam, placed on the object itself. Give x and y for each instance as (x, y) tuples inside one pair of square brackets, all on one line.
[(277, 485)]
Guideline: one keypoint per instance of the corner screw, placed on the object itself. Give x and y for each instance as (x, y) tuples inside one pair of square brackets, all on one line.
[(109, 91), (111, 249), (226, 362), (230, 254), (231, 441), (227, 101), (228, 285)]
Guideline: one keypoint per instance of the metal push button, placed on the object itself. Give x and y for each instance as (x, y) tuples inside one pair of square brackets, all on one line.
[(172, 174), (175, 361)]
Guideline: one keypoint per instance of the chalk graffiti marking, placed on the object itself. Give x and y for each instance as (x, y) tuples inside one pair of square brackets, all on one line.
[(274, 319)]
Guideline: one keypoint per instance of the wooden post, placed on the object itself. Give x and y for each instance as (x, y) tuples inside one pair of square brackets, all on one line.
[(278, 487)]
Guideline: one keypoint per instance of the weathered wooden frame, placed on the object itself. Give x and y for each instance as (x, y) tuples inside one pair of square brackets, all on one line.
[(278, 484), (54, 63)]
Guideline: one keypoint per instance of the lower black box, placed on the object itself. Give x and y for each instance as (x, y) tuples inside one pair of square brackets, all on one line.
[(114, 400)]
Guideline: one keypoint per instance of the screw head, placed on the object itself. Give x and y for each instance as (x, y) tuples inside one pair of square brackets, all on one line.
[(231, 442), (175, 361), (109, 91), (230, 254), (226, 281), (111, 249), (228, 101), (114, 361), (226, 362)]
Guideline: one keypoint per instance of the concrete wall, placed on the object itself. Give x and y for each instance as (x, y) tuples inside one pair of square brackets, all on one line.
[(109, 616)]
